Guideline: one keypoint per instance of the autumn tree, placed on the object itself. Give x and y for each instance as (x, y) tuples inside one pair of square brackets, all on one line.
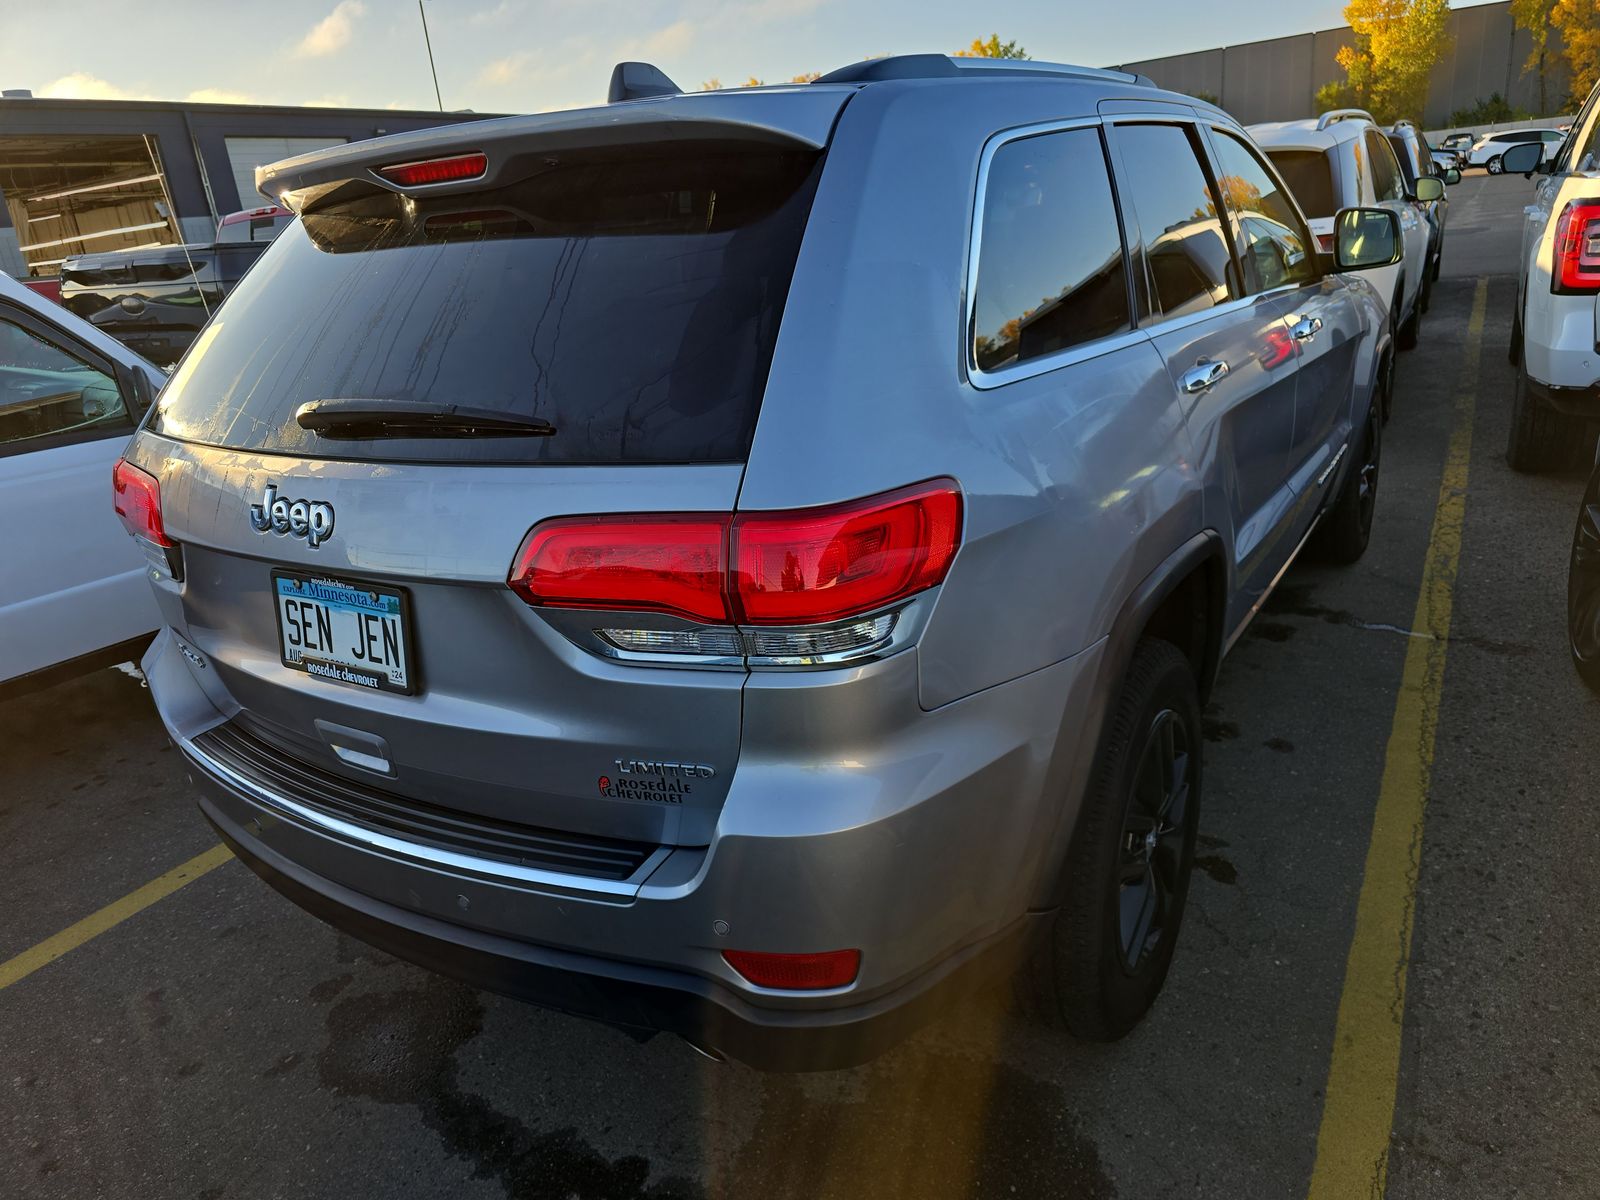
[(992, 47), (1534, 16), (711, 85), (807, 77), (1397, 43), (1579, 23)]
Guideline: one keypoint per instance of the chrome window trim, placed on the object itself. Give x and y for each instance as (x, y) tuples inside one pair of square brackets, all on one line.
[(1054, 361), (487, 870)]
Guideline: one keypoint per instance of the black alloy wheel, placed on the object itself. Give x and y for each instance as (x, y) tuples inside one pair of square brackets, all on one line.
[(1583, 586), (1154, 836)]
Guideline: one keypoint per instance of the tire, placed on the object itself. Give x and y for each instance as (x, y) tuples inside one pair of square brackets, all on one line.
[(1495, 165), (1514, 350), (1108, 954), (1386, 373), (1583, 587), (1541, 439), (1438, 261), (1425, 296), (1347, 527)]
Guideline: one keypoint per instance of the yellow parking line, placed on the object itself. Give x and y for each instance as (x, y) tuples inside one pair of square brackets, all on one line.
[(1358, 1113), (112, 915)]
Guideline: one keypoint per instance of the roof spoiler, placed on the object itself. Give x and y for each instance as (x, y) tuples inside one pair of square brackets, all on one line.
[(638, 80), (1334, 116)]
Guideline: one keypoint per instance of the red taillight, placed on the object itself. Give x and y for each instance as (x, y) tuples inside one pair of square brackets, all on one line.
[(807, 567), (137, 498), (670, 564), (436, 170), (798, 567), (1277, 347), (796, 972), (1577, 257)]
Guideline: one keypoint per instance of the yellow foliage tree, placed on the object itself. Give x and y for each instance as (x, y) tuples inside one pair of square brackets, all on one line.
[(807, 77), (992, 47), (1579, 23), (1397, 43), (1534, 16)]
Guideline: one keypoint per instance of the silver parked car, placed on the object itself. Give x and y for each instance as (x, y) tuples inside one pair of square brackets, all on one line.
[(750, 563)]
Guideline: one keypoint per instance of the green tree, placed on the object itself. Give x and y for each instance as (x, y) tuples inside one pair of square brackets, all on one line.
[(1534, 16), (992, 47), (1579, 23), (1397, 43)]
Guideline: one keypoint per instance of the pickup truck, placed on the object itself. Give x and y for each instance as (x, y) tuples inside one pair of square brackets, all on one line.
[(155, 300)]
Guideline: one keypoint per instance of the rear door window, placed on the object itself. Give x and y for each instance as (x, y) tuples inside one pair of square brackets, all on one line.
[(1051, 270), (1181, 230), (629, 298), (1310, 177)]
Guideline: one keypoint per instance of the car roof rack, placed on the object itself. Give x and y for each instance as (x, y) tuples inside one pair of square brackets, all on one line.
[(945, 66), (1335, 115), (637, 81)]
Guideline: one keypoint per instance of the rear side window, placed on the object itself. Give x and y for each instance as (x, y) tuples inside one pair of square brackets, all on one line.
[(1051, 272), (1180, 222), (1310, 177), (630, 298), (1385, 169)]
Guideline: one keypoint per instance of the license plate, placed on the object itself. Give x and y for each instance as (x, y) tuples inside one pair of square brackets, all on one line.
[(356, 633)]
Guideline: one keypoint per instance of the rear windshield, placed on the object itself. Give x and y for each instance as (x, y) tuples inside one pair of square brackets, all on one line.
[(1310, 179), (256, 229), (631, 300)]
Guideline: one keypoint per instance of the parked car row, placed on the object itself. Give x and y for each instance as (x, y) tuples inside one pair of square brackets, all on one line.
[(576, 544)]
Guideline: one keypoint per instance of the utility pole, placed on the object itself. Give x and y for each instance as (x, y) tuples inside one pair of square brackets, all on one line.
[(428, 42)]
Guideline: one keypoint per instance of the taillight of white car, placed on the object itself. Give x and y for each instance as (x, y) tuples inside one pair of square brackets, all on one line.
[(1576, 269)]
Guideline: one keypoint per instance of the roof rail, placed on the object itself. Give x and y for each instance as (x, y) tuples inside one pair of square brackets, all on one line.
[(637, 80), (945, 66), (1334, 116)]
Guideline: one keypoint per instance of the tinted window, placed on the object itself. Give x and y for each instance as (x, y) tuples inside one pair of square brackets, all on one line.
[(631, 299), (256, 229), (1273, 243), (1409, 166), (1179, 225), (1386, 180), (46, 390), (1309, 177), (1050, 263)]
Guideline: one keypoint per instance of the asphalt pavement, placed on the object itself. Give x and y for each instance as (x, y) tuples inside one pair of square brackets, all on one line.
[(221, 1043)]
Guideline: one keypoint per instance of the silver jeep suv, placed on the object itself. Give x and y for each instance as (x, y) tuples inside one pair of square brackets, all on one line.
[(749, 564)]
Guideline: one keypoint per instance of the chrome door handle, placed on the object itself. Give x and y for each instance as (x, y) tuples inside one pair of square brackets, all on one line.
[(1305, 328), (1202, 375)]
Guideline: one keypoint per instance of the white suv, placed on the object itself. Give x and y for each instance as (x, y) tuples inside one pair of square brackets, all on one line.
[(1343, 160), (1489, 150), (1553, 333)]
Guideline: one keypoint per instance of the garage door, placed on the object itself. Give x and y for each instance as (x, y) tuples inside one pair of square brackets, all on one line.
[(245, 154)]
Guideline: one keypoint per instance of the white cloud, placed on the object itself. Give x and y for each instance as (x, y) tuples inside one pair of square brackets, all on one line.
[(80, 85), (664, 43), (332, 33), (503, 71), (493, 16), (341, 100)]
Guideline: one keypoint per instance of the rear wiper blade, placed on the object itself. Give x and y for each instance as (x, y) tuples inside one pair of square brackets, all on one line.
[(354, 418)]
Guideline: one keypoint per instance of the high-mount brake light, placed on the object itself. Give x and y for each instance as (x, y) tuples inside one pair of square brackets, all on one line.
[(137, 498), (796, 972), (436, 170), (1577, 249), (790, 568)]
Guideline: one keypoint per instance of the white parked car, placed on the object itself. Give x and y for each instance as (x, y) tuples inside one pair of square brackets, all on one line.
[(72, 594), (1343, 160), (1556, 400), (1489, 150)]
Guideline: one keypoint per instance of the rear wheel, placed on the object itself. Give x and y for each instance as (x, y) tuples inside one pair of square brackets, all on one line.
[(1347, 527), (1540, 438), (1129, 865), (1583, 586)]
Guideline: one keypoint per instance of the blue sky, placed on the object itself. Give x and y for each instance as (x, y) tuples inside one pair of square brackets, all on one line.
[(527, 55)]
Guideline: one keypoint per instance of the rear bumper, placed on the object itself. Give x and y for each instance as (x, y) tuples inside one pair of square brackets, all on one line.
[(633, 995), (926, 847), (1573, 401)]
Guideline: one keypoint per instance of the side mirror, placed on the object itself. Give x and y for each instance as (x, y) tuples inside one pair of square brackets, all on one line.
[(1429, 189), (1364, 238), (1452, 176), (1523, 158)]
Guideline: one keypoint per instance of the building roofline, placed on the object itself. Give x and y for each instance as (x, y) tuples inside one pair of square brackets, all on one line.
[(81, 105)]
